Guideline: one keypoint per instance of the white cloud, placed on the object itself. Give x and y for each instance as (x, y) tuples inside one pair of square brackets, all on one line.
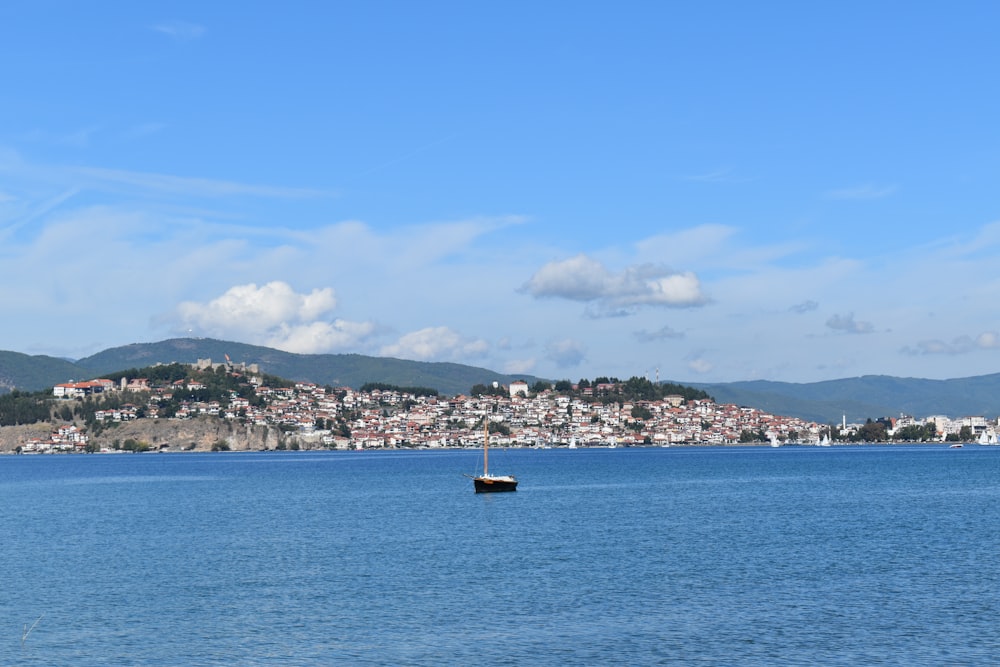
[(988, 340), (662, 333), (519, 366), (249, 306), (273, 315), (583, 278), (848, 324), (143, 130), (320, 337), (39, 211), (700, 366), (79, 138), (804, 307), (715, 247), (180, 30), (939, 347), (59, 223), (862, 192), (721, 175), (565, 353), (437, 344), (181, 185)]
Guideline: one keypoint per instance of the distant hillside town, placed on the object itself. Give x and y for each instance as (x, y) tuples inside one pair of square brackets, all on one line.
[(603, 413)]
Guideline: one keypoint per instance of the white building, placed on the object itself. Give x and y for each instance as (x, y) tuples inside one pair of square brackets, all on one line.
[(518, 388)]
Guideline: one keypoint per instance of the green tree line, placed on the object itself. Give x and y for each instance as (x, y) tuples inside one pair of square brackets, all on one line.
[(18, 408), (610, 389), (382, 386)]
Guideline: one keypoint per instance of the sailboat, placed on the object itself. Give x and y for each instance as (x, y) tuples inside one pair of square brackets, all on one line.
[(487, 483), (825, 442)]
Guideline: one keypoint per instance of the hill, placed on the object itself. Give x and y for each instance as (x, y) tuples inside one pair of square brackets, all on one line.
[(33, 373), (351, 370), (867, 396), (825, 402)]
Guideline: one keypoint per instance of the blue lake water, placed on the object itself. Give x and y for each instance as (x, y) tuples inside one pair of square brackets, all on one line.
[(726, 556)]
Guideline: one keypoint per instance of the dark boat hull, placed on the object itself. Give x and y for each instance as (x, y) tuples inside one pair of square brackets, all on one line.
[(487, 485)]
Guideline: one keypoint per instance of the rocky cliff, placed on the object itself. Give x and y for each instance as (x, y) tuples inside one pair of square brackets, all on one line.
[(199, 434)]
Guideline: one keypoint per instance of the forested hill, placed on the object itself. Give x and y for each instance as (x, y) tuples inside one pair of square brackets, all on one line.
[(352, 370), (32, 373), (825, 402), (867, 396)]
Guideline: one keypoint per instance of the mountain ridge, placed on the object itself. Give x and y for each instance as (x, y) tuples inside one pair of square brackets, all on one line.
[(826, 401), (858, 398), (20, 371)]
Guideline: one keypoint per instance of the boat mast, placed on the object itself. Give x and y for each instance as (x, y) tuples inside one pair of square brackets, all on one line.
[(486, 445)]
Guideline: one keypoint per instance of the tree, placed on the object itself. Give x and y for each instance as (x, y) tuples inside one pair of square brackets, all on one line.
[(641, 412), (499, 427), (413, 391), (24, 408), (491, 390), (915, 433), (872, 432), (133, 445), (753, 436), (640, 388)]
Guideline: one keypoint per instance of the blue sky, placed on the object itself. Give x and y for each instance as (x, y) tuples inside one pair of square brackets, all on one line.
[(713, 191)]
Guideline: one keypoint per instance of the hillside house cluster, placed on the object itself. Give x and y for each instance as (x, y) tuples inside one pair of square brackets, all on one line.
[(67, 438), (341, 417), (81, 389), (978, 427)]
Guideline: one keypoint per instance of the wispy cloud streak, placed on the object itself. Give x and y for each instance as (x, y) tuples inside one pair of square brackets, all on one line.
[(862, 192), (988, 340), (181, 31), (202, 187)]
